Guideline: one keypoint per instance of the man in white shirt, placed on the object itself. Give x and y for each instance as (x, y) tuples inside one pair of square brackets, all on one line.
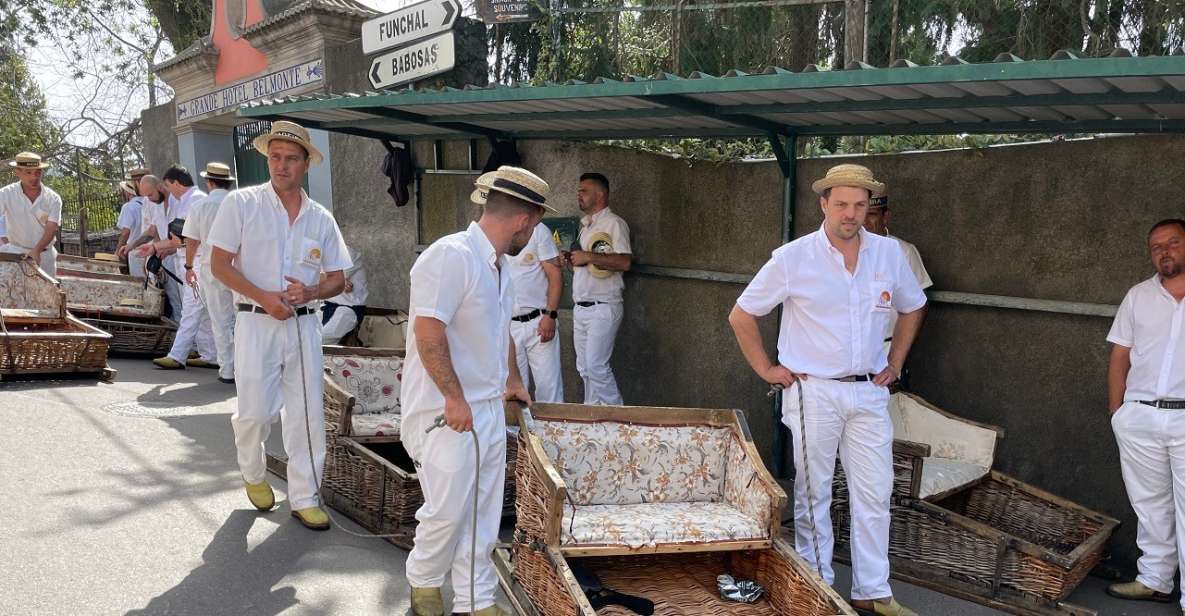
[(1146, 397), (538, 286), (194, 329), (597, 284), (32, 213), (877, 222), (271, 244), (217, 301), (460, 366), (838, 287), (130, 225), (342, 313)]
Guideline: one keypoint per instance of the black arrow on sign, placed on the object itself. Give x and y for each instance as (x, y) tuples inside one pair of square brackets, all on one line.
[(448, 11), (374, 74)]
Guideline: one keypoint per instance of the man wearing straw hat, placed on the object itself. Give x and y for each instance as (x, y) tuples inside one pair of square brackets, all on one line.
[(838, 288), (538, 285), (271, 243), (461, 365), (217, 300), (32, 213), (131, 221)]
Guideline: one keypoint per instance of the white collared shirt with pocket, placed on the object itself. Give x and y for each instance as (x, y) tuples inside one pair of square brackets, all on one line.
[(603, 232), (530, 281), (457, 281), (1151, 323), (834, 321), (25, 220), (253, 224)]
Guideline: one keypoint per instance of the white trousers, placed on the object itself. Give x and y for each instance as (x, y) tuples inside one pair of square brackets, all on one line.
[(538, 361), (220, 304), (341, 323), (194, 330), (171, 288), (447, 476), (1152, 456), (853, 419), (269, 383), (594, 331)]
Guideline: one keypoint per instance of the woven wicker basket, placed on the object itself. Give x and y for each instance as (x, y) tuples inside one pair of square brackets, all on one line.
[(676, 583), (37, 335), (136, 336)]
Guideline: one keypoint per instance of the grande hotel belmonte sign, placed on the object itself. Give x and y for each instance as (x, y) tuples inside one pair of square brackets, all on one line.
[(290, 78)]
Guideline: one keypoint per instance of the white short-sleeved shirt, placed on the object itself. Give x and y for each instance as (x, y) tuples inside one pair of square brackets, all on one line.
[(177, 208), (148, 214), (530, 281), (1151, 323), (131, 218), (833, 321), (357, 277), (606, 233), (200, 219), (26, 220), (458, 282), (253, 224), (919, 270)]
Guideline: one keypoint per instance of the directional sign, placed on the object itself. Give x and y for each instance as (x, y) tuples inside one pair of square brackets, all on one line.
[(408, 24), (424, 59), (508, 11)]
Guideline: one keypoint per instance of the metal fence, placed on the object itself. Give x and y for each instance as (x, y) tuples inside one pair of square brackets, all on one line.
[(89, 219)]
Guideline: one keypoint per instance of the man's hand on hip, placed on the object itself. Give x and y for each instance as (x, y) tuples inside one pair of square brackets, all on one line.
[(887, 376), (780, 375), (458, 415), (546, 328)]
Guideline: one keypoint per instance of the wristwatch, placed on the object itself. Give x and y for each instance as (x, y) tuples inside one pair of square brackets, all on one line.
[(554, 314)]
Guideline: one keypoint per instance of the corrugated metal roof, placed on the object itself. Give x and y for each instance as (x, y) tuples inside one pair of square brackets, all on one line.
[(1062, 94), (341, 7)]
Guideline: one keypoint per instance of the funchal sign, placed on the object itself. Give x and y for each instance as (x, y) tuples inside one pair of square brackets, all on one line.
[(409, 24), (408, 29), (283, 80)]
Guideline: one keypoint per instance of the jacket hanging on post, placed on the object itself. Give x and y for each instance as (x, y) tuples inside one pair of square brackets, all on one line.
[(397, 166)]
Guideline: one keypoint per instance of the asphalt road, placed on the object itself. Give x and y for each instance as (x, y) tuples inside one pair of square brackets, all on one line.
[(125, 498)]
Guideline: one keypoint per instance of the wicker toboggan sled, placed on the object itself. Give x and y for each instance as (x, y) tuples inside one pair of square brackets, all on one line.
[(656, 503), (37, 335)]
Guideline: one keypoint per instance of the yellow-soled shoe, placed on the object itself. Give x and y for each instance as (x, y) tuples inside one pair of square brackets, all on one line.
[(876, 608), (312, 517), (426, 602), (261, 495), (493, 610), (201, 363), (1135, 591), (168, 363)]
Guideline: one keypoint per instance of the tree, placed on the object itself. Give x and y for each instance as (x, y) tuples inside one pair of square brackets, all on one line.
[(24, 123)]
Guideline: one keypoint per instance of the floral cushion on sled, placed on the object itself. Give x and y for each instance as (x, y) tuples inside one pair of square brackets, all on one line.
[(373, 381), (648, 524)]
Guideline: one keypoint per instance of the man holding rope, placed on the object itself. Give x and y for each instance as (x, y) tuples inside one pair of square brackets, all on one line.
[(271, 244), (838, 288), (461, 365)]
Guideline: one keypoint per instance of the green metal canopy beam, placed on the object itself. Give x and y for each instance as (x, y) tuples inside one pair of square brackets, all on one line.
[(415, 118), (348, 130), (691, 105), (1086, 68)]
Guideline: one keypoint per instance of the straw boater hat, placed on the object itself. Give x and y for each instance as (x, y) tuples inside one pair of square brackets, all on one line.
[(129, 187), (516, 182), (857, 176), (138, 172), (217, 171), (27, 160), (289, 131)]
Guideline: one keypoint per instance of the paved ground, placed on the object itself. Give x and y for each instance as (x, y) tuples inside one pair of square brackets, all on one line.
[(106, 512)]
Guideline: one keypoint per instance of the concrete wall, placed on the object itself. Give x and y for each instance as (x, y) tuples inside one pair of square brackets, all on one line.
[(1063, 221), (160, 142)]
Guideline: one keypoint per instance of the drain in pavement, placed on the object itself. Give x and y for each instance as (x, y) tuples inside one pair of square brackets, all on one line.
[(147, 409)]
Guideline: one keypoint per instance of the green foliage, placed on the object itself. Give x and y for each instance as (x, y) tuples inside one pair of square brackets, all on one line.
[(24, 124)]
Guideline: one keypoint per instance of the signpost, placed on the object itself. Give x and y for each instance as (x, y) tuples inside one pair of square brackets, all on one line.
[(424, 59), (409, 24)]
